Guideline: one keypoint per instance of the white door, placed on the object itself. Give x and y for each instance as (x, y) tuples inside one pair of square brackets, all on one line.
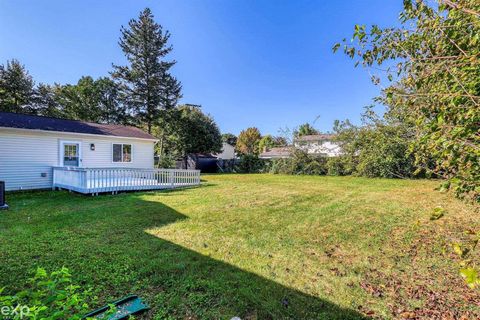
[(70, 155)]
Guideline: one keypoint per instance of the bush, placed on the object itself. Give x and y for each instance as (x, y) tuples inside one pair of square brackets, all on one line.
[(250, 163), (48, 296), (378, 148), (166, 161), (339, 166), (385, 157), (299, 162)]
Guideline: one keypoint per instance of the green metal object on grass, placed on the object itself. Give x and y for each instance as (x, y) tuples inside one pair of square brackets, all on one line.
[(124, 307)]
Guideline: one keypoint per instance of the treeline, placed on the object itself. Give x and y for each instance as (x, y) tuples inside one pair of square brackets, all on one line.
[(88, 100), (142, 93), (251, 142), (429, 72)]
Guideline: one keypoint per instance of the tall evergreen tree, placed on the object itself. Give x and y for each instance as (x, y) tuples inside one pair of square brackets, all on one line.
[(146, 84), (16, 88)]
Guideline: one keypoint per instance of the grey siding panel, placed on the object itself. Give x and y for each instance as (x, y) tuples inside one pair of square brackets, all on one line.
[(24, 156)]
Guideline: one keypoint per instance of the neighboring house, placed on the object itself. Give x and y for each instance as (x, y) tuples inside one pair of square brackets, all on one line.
[(227, 159), (30, 146), (318, 144), (228, 152), (276, 153)]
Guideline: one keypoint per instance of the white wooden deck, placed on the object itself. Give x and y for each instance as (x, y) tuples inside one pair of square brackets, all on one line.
[(98, 180)]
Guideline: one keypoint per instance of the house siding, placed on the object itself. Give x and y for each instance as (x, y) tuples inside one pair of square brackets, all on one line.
[(324, 147), (25, 155), (228, 152)]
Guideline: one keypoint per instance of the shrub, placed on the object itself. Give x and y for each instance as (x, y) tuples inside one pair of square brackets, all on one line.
[(434, 85), (48, 296), (166, 161), (251, 163), (384, 154), (339, 166), (299, 162), (378, 148)]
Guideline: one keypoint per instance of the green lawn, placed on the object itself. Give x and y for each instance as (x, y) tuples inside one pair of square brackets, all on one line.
[(253, 246)]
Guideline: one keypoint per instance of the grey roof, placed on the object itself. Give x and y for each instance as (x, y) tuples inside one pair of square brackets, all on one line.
[(316, 137), (23, 121), (279, 152)]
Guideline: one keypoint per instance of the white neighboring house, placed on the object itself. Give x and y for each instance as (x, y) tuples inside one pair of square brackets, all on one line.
[(30, 146), (318, 144), (228, 152)]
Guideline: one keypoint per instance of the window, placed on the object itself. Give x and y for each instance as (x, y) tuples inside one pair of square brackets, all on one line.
[(122, 152), (70, 154)]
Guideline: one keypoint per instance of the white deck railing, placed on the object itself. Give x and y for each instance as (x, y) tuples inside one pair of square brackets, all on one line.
[(96, 180)]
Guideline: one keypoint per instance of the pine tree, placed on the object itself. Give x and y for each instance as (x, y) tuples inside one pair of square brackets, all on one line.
[(16, 88), (45, 102), (147, 86)]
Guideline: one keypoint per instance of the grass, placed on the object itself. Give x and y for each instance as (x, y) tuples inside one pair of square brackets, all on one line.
[(253, 246)]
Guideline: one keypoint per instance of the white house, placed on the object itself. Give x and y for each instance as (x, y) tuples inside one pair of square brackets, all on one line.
[(318, 144), (228, 152), (86, 157)]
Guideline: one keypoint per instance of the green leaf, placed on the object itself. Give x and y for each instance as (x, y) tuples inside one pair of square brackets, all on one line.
[(437, 213), (41, 273), (470, 275), (335, 47)]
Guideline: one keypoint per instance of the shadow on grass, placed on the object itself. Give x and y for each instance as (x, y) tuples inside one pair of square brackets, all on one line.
[(103, 242)]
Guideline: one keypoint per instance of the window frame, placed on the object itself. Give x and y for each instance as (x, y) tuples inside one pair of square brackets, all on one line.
[(121, 150)]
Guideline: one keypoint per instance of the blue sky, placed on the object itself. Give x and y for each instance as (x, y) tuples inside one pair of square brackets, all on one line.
[(258, 63)]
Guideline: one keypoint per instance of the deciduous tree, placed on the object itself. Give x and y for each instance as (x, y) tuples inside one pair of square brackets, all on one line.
[(79, 101), (432, 72), (229, 138), (305, 130), (195, 132), (248, 140), (111, 108), (267, 142)]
